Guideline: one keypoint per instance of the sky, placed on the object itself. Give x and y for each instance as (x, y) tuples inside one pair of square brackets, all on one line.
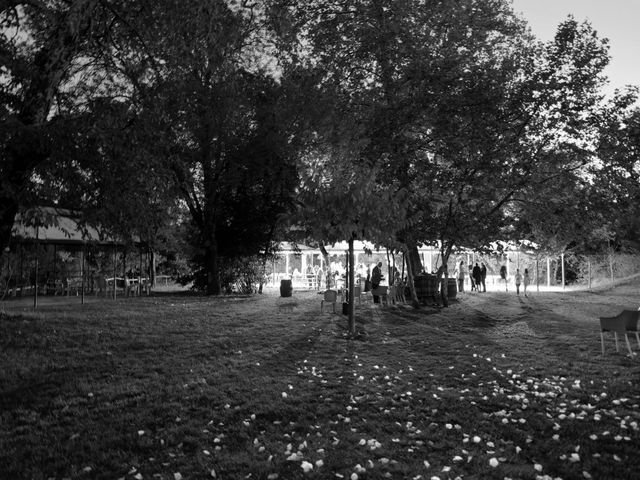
[(617, 20)]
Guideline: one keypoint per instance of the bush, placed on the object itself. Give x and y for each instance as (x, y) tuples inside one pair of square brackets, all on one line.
[(242, 275), (237, 275)]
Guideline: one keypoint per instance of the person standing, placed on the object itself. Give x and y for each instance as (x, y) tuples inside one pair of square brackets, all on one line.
[(460, 276), (472, 279), (376, 278), (526, 280), (483, 277), (477, 276), (367, 281), (503, 276), (518, 279)]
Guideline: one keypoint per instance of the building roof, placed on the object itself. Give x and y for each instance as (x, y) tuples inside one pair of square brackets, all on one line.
[(59, 226)]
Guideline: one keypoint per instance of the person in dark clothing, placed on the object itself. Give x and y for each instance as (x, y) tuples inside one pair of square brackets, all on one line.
[(460, 276), (472, 279), (376, 278), (477, 277), (483, 277), (503, 276), (367, 282)]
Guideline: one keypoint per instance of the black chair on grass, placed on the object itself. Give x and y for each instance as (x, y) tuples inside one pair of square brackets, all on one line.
[(330, 296), (624, 323)]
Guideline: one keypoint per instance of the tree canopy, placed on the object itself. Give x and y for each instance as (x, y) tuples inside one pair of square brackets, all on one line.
[(401, 122)]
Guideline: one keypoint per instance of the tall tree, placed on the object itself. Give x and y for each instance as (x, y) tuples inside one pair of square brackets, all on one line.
[(513, 125), (226, 112), (615, 177), (47, 48)]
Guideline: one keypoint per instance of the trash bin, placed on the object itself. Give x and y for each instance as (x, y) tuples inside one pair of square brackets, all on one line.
[(452, 288), (286, 288), (426, 287)]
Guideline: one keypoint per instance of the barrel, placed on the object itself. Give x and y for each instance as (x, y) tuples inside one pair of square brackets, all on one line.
[(286, 288), (420, 284), (452, 288), (426, 287)]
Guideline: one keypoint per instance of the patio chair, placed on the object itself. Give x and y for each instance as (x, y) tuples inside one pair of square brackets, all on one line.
[(383, 293), (330, 296), (100, 286), (130, 287), (396, 294), (624, 323), (357, 294)]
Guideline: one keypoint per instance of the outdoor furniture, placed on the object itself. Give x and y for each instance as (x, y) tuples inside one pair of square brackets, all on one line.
[(330, 296), (100, 286), (357, 294), (145, 286), (383, 293), (131, 287), (396, 294), (624, 323)]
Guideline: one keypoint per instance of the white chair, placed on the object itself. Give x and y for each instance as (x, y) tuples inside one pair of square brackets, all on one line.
[(330, 296), (130, 287)]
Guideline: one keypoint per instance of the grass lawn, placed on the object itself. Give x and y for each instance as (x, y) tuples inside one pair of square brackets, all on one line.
[(185, 387)]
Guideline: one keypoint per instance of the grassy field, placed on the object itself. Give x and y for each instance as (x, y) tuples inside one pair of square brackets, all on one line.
[(184, 387)]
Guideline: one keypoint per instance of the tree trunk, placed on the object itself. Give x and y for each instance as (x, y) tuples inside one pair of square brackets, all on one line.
[(212, 268), (8, 212), (325, 256), (412, 288), (443, 271), (413, 258), (152, 269), (351, 281), (556, 270)]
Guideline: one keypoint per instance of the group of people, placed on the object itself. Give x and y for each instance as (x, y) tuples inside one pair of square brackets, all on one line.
[(477, 275)]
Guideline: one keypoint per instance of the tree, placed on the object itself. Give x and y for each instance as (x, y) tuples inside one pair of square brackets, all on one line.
[(47, 49), (615, 177), (340, 201), (503, 140), (400, 70), (207, 74)]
